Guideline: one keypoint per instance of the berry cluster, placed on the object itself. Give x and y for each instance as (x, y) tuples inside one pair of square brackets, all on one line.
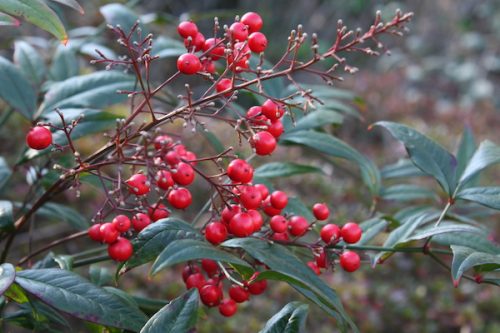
[(208, 277), (173, 169), (243, 37)]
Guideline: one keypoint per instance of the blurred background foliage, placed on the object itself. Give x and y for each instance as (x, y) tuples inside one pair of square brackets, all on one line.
[(442, 76)]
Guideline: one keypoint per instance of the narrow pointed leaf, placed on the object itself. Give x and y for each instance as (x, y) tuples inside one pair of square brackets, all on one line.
[(284, 169), (15, 89), (64, 64), (466, 150), (407, 192), (465, 258), (72, 4), (487, 154), (290, 319), (7, 276), (403, 168), (445, 228), (486, 196), (317, 119), (29, 62)]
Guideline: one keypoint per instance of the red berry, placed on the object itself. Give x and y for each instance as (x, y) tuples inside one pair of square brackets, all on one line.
[(164, 179), (187, 29), (350, 261), (216, 232), (195, 280), (238, 294), (189, 270), (240, 171), (163, 142), (215, 52), (282, 236), (312, 265), (264, 143), (278, 224), (210, 266), (180, 198), (140, 221), (321, 260), (271, 110), (321, 211), (257, 287), (224, 85), (276, 128), (195, 43), (228, 307), (258, 221), (351, 232), (208, 66), (39, 138), (330, 233), (257, 42), (121, 223), (238, 31), (190, 157), (250, 197), (172, 158), (138, 184), (241, 225), (95, 233), (109, 233), (184, 174), (121, 250), (253, 21), (189, 64), (254, 114), (298, 226), (210, 295), (263, 190), (269, 209), (158, 212), (229, 212), (279, 199)]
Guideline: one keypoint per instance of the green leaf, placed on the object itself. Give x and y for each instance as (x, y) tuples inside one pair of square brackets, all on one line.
[(100, 276), (154, 238), (290, 319), (466, 150), (117, 14), (179, 316), (284, 169), (15, 89), (63, 213), (38, 13), (278, 258), (72, 4), (403, 168), (332, 146), (486, 196), (465, 258), (445, 228), (29, 62), (481, 243), (184, 250), (6, 216), (407, 192), (6, 20), (371, 228), (72, 294), (64, 64), (7, 276), (317, 119), (5, 172), (427, 155), (96, 90), (486, 155), (296, 207), (165, 47)]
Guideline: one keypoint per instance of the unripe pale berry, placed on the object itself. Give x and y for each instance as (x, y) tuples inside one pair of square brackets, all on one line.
[(39, 137), (350, 261), (180, 198), (253, 21), (216, 233), (257, 42), (189, 64), (351, 232), (121, 250)]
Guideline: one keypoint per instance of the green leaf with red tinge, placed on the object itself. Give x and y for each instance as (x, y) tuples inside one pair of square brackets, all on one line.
[(38, 13), (465, 258), (6, 20)]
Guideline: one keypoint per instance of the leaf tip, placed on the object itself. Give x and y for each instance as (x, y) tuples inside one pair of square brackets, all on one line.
[(65, 40)]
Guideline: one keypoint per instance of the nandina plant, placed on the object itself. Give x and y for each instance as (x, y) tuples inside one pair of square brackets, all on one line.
[(240, 234)]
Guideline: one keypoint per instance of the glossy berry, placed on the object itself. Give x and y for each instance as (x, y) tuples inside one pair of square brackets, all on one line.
[(351, 232), (183, 174), (195, 43), (250, 197), (241, 225), (264, 143), (189, 64), (298, 226), (189, 270), (271, 110), (278, 224), (269, 209), (164, 179), (240, 171), (187, 29), (224, 85), (312, 265), (121, 250), (138, 184), (238, 294), (279, 199), (257, 42), (210, 295), (95, 233), (109, 233), (263, 190), (239, 31), (158, 212), (321, 211), (276, 128), (216, 232), (210, 267), (196, 280), (180, 198), (140, 221), (350, 261), (215, 52), (39, 138), (281, 236), (163, 142), (122, 223), (258, 221), (228, 307), (321, 260), (253, 21), (208, 66), (330, 233), (257, 287), (228, 212)]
